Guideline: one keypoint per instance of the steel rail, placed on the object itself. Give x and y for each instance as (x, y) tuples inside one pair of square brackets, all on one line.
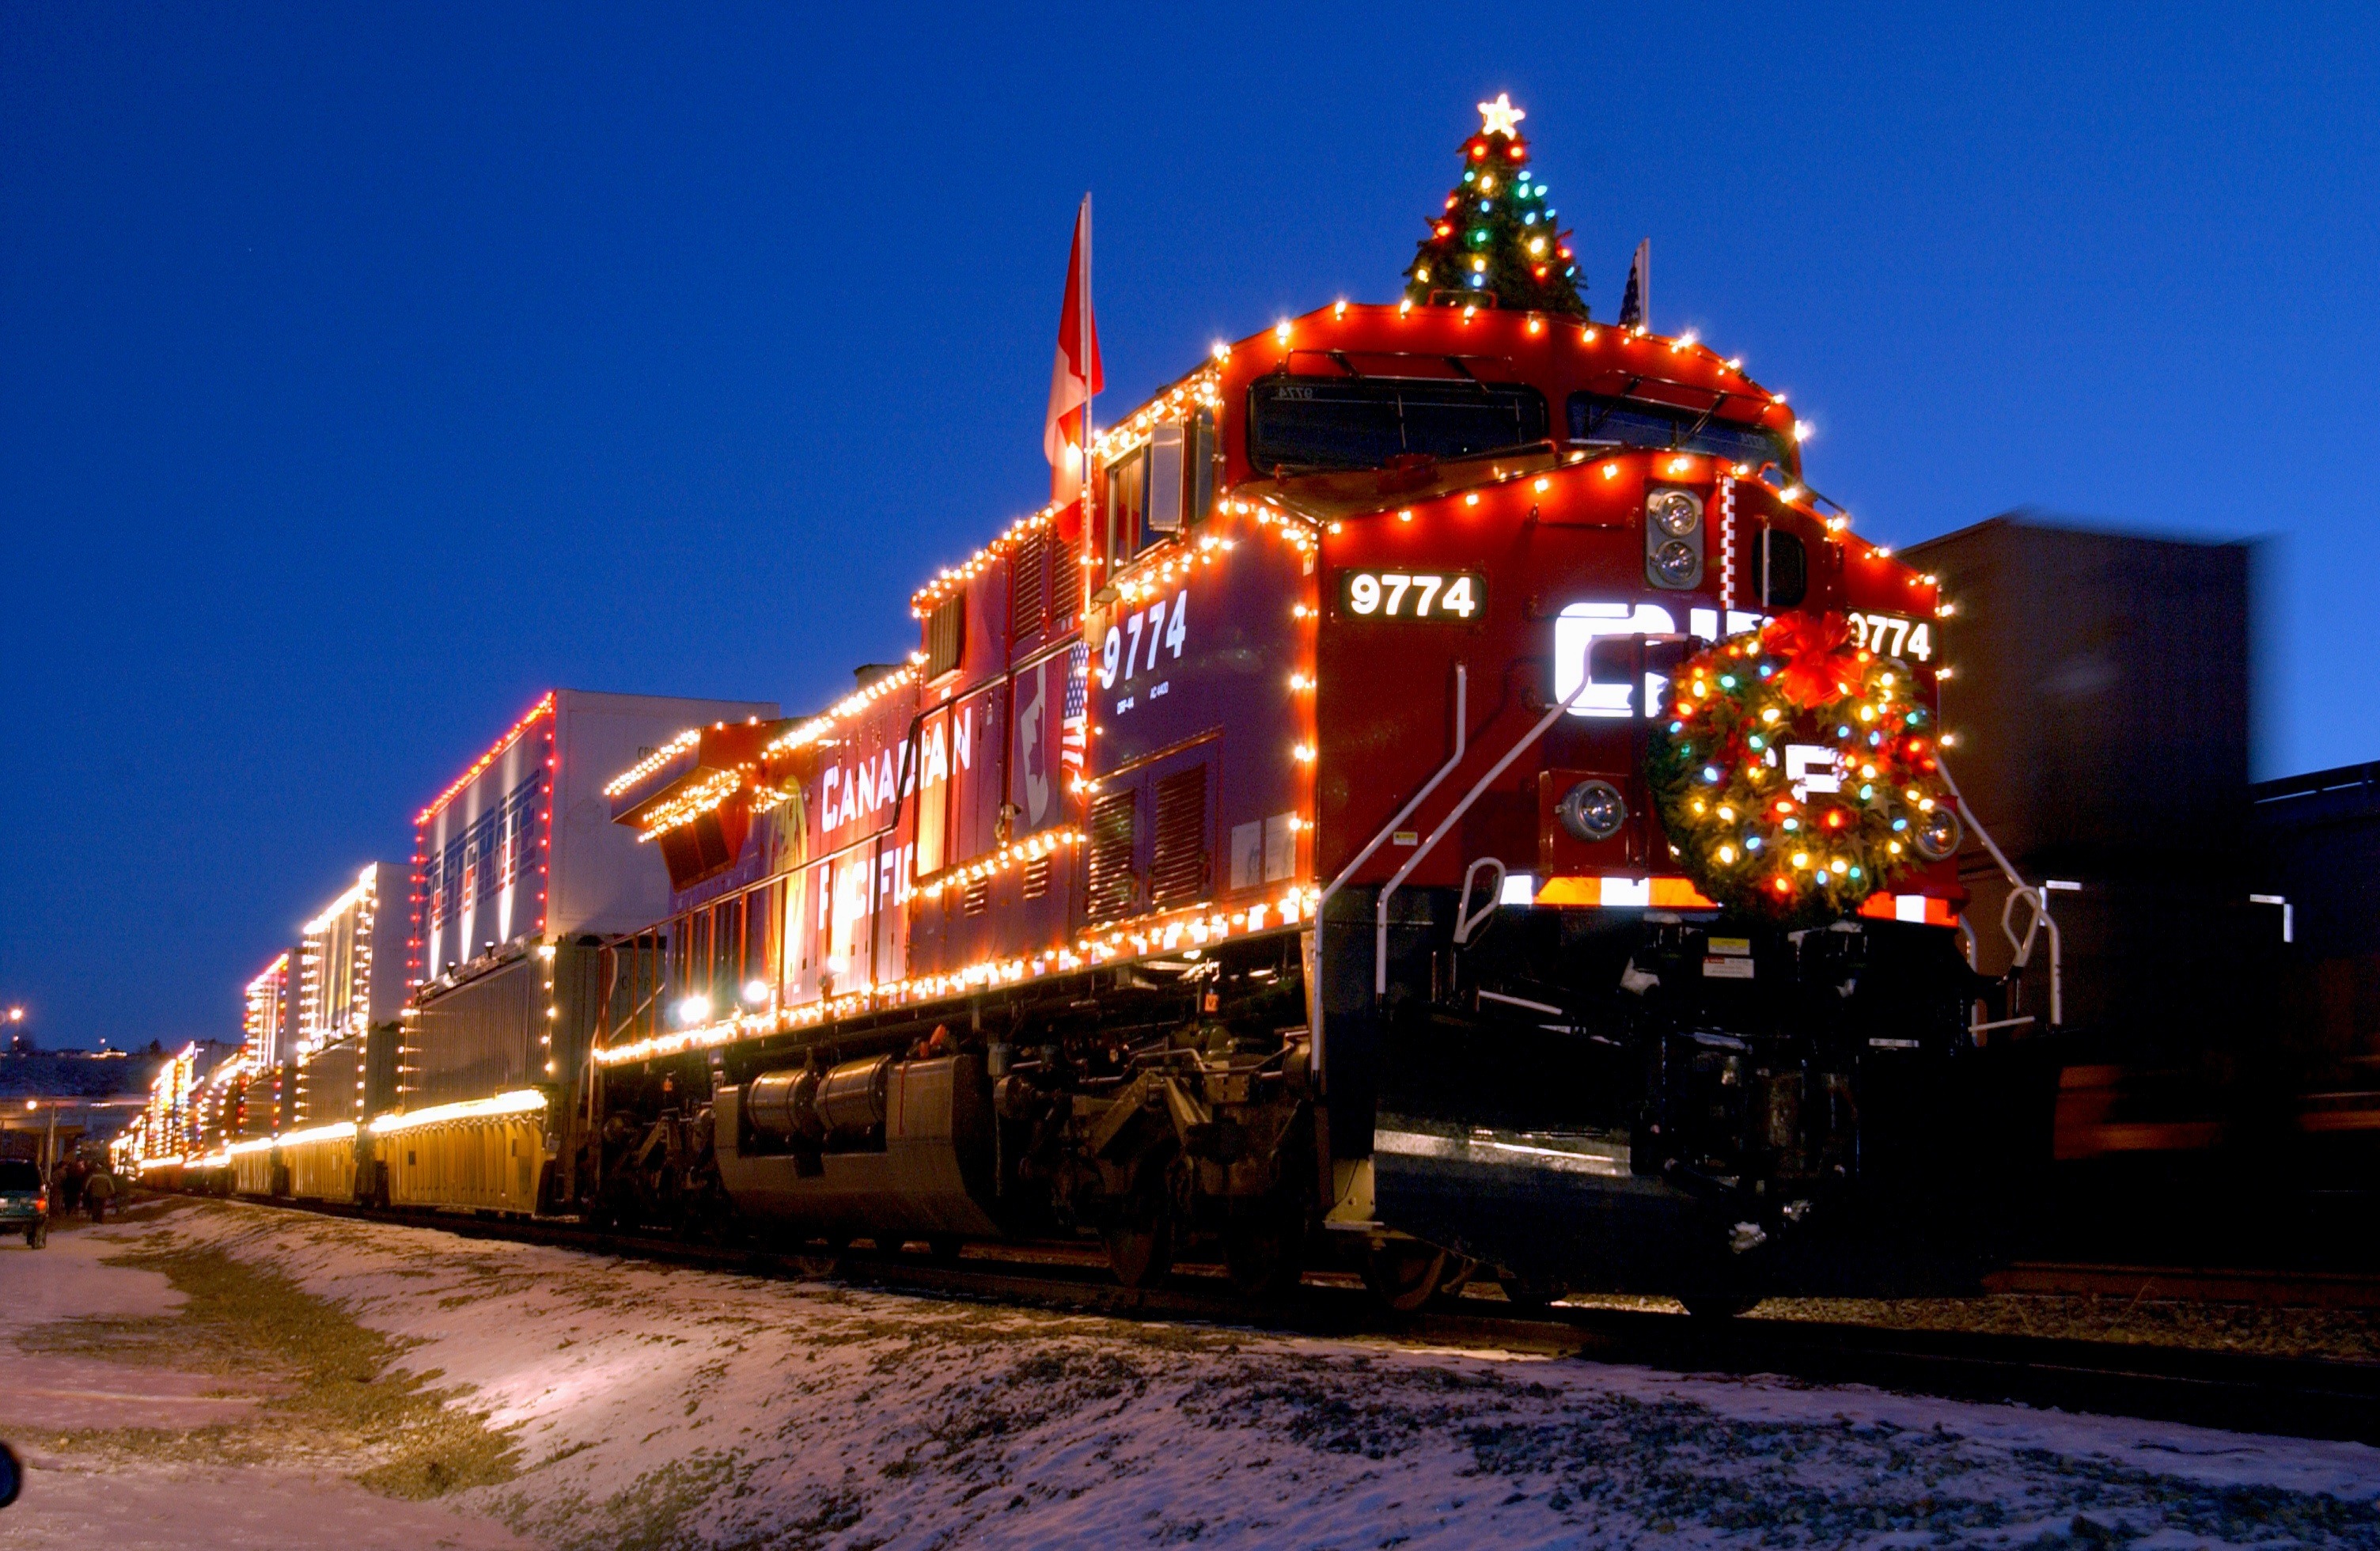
[(2270, 1287)]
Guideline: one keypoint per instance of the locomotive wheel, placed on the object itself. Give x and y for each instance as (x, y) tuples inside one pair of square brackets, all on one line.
[(1140, 1247), (705, 1213), (1529, 1294), (945, 1247), (1713, 1308), (1403, 1274), (1263, 1254)]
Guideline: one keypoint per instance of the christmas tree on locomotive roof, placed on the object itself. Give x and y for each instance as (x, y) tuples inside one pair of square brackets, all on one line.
[(1496, 245)]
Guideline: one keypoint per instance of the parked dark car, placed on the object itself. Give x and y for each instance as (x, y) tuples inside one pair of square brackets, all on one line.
[(24, 1202)]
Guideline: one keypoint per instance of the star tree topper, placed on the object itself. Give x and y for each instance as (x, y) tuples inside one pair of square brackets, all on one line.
[(1500, 116), (1497, 242)]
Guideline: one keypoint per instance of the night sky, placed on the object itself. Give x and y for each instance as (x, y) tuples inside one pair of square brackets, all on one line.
[(368, 371)]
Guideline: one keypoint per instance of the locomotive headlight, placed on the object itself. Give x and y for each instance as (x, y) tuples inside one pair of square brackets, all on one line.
[(1939, 833), (1592, 811), (1673, 539), (1676, 512)]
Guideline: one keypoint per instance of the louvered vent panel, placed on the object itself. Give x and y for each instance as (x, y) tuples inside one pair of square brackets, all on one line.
[(1037, 877), (1065, 579), (1027, 564), (1110, 892), (978, 897), (945, 634), (1178, 874)]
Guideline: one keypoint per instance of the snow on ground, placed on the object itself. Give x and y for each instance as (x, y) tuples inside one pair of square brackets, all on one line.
[(150, 1493), (653, 1406)]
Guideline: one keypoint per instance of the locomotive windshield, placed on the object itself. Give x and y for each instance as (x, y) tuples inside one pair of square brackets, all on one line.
[(1302, 424), (1633, 423)]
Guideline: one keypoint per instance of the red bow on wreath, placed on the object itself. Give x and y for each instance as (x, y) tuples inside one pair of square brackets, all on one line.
[(1816, 662)]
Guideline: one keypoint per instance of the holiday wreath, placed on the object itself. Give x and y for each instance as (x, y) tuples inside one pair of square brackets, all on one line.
[(1796, 772)]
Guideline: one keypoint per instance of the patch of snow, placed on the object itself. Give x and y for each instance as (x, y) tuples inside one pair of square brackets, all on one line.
[(73, 1499), (253, 1508), (66, 1281), (660, 1406)]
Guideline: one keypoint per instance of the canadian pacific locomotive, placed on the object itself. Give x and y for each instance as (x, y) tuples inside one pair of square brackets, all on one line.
[(1257, 853), (1260, 851)]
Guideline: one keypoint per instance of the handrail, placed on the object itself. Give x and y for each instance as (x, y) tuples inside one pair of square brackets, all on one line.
[(1465, 920), (1462, 742), (2019, 889), (1380, 924)]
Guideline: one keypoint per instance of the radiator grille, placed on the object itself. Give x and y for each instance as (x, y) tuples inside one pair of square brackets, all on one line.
[(1025, 567), (1065, 579), (1178, 874), (945, 633), (1111, 882)]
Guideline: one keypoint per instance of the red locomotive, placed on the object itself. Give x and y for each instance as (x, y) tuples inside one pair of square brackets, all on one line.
[(1262, 848)]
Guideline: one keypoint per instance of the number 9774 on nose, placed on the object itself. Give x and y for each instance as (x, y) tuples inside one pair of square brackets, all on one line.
[(1457, 596)]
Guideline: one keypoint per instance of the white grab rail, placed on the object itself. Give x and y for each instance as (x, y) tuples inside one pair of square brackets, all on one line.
[(1314, 981), (2035, 899), (1528, 739)]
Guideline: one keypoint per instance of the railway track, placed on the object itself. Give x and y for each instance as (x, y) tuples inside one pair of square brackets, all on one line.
[(2290, 1397), (2264, 1289)]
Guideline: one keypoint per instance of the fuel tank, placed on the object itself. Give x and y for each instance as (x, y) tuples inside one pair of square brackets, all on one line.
[(883, 1149)]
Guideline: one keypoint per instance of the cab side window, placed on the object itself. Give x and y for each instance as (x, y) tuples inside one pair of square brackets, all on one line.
[(1162, 507), (1160, 489), (1781, 569), (1205, 456), (1126, 506)]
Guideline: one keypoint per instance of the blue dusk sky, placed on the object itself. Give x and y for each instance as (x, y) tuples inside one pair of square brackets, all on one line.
[(369, 370)]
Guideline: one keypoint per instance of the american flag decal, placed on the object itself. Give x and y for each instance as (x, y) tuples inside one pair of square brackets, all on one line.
[(1074, 726)]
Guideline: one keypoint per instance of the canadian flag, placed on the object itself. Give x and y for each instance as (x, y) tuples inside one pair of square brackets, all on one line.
[(1076, 375)]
